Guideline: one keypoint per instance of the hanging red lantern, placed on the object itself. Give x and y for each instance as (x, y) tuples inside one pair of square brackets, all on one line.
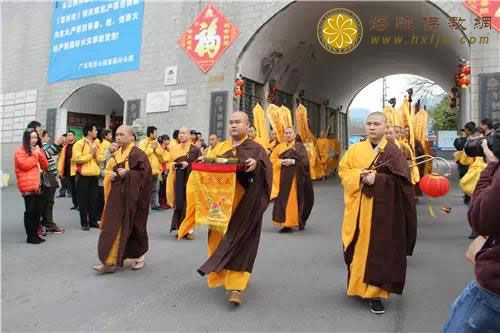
[(466, 70), (240, 83), (434, 185)]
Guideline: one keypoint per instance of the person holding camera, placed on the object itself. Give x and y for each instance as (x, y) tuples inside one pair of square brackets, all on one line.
[(477, 309)]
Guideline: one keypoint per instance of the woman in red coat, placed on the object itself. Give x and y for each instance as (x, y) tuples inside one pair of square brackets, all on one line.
[(29, 162)]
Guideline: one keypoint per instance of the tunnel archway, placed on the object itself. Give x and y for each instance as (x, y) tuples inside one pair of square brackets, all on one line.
[(289, 53)]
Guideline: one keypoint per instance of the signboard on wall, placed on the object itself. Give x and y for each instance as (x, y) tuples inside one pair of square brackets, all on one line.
[(170, 75), (218, 111), (133, 110), (50, 123), (178, 97), (158, 102), (446, 139), (489, 95), (94, 37), (18, 109)]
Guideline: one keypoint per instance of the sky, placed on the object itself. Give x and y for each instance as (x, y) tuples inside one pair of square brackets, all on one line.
[(396, 87)]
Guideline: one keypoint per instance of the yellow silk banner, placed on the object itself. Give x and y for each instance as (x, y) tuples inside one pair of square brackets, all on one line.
[(211, 189)]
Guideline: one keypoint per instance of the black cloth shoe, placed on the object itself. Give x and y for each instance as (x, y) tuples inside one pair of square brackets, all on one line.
[(86, 227), (377, 307), (36, 240), (94, 225), (61, 195), (285, 230), (74, 207)]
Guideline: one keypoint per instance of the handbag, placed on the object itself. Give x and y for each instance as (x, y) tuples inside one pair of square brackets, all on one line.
[(478, 244), (49, 180)]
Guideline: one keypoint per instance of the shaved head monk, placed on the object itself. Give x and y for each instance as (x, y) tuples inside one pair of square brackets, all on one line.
[(379, 227), (232, 253), (127, 187), (182, 155)]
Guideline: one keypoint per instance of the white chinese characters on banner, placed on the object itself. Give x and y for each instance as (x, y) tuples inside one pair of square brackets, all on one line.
[(158, 102)]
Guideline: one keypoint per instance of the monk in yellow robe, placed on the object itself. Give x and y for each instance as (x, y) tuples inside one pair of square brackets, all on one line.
[(232, 254), (252, 135), (334, 153), (379, 227), (181, 156), (213, 141), (292, 187), (273, 141), (323, 145), (127, 184)]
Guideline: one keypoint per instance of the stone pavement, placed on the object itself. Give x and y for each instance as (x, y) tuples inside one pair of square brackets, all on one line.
[(298, 282)]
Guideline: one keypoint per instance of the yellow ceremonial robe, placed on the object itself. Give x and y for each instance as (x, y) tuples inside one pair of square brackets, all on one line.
[(323, 146), (119, 157), (292, 209), (359, 156), (333, 162)]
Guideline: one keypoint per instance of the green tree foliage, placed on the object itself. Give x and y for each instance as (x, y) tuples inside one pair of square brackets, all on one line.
[(444, 118)]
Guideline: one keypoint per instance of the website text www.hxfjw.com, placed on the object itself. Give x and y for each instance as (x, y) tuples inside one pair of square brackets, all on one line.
[(434, 40)]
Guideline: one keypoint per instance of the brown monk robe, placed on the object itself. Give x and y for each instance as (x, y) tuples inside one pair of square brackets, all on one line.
[(292, 186), (182, 156), (128, 185), (379, 227), (419, 151), (232, 255)]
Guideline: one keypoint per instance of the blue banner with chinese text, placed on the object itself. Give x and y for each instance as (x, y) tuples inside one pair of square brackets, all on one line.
[(94, 37)]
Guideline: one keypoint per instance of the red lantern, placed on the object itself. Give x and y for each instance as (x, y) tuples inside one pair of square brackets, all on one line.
[(240, 83), (465, 70), (434, 185)]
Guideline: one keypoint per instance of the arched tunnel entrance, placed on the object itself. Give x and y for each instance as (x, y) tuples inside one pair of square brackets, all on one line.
[(286, 50)]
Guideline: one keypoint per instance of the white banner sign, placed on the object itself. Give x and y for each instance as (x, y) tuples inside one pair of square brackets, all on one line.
[(178, 97), (158, 102)]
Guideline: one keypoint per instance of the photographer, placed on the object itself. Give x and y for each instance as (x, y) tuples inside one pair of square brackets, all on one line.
[(477, 309)]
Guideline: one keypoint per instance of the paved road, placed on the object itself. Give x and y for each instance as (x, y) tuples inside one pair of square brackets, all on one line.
[(298, 282)]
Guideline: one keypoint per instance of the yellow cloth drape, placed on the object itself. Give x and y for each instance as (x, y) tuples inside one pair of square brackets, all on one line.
[(175, 152), (259, 122), (302, 124), (359, 156), (390, 114), (274, 116)]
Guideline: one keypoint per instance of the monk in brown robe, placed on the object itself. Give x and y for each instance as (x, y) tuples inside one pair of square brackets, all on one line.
[(379, 227), (292, 186), (127, 188), (181, 155), (232, 254), (418, 151)]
